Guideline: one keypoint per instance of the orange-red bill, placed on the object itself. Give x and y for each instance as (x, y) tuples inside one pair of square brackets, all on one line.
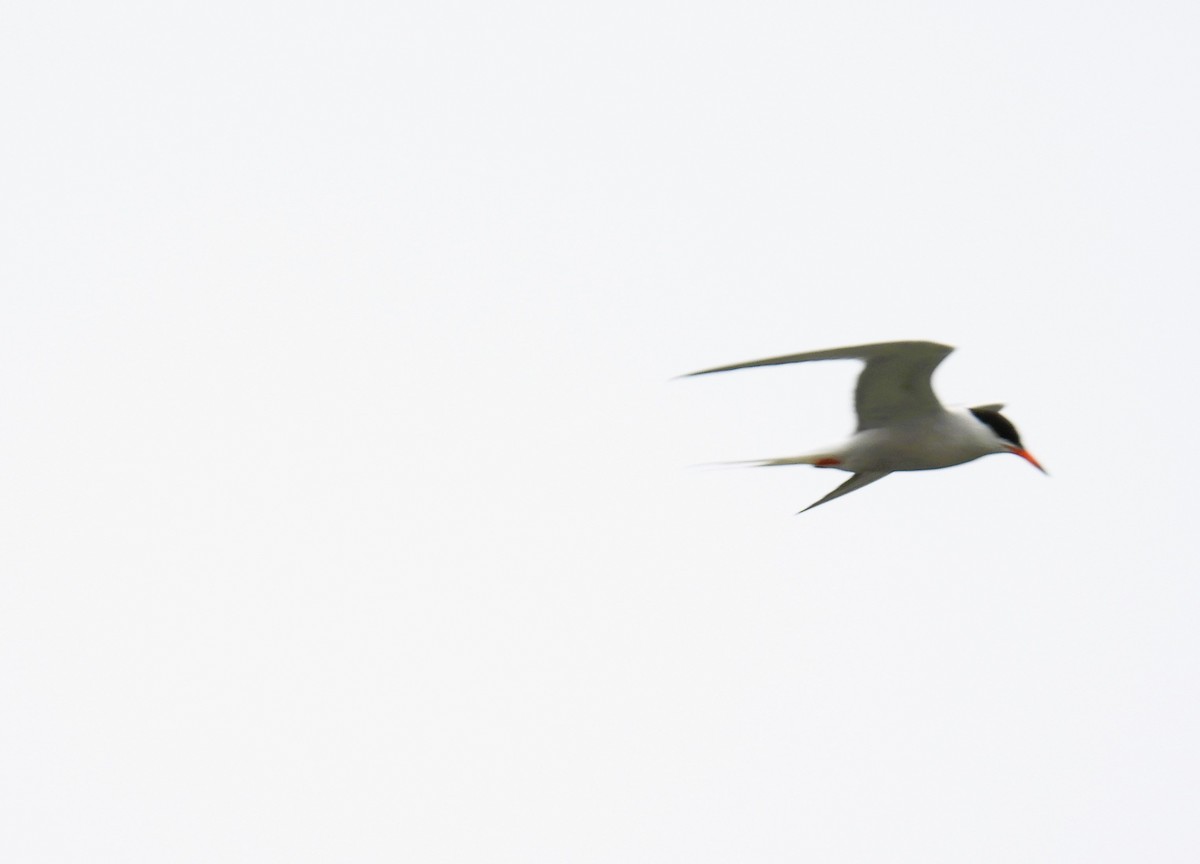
[(1028, 457)]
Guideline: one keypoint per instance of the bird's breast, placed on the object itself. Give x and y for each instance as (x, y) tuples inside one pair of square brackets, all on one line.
[(922, 445)]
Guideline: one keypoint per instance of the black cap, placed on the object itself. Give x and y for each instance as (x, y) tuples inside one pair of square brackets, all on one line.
[(999, 424)]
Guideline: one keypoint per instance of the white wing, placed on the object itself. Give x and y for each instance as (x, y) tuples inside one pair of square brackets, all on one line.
[(894, 385)]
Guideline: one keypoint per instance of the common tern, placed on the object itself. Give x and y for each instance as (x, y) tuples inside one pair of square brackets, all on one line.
[(901, 424)]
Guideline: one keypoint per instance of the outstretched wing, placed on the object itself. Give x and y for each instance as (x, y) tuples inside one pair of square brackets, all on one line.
[(858, 481), (895, 385)]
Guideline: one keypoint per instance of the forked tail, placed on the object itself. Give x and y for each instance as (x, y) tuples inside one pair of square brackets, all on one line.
[(856, 481), (821, 460)]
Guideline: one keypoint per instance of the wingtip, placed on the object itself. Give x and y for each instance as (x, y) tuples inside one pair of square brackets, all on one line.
[(700, 372)]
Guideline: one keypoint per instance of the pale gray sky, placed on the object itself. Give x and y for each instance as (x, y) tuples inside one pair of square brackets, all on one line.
[(346, 504)]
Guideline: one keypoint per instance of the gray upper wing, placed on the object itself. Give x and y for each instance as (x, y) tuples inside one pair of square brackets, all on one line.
[(856, 482), (893, 386)]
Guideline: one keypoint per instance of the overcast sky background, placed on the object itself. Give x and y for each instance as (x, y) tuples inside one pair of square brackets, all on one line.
[(346, 508)]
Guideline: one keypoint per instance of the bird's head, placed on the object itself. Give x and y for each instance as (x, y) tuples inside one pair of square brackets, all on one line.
[(1007, 439)]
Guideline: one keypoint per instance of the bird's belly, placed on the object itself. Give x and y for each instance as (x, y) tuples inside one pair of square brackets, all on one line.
[(915, 449)]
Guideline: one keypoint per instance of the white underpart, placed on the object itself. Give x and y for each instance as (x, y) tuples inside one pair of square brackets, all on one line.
[(948, 437)]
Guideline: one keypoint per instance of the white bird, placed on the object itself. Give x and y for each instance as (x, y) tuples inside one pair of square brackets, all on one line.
[(901, 424)]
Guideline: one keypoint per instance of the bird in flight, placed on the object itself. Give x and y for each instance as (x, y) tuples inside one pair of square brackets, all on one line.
[(901, 424)]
